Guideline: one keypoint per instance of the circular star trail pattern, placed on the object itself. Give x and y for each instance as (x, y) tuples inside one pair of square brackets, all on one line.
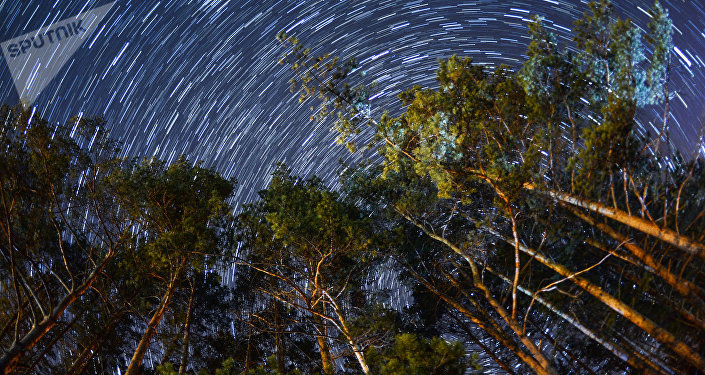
[(202, 78)]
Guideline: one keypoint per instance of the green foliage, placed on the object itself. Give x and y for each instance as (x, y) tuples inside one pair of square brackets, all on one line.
[(227, 367), (474, 121), (270, 369), (598, 88), (310, 223), (411, 354), (166, 369), (298, 210), (328, 79), (57, 229), (181, 209), (661, 37)]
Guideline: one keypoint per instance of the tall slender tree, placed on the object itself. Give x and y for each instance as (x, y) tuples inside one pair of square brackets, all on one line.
[(314, 247), (183, 215)]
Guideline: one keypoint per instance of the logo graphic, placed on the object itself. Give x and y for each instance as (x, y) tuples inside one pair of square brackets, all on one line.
[(36, 57)]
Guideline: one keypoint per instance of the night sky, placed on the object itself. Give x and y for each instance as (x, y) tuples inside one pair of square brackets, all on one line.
[(202, 78)]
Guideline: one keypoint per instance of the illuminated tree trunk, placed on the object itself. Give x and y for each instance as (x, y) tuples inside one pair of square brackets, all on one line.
[(326, 358), (11, 357), (683, 287), (646, 367), (141, 350), (641, 321), (487, 324), (681, 242), (346, 332)]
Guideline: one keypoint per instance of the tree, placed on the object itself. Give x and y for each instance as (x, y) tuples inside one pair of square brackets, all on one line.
[(314, 249), (182, 214)]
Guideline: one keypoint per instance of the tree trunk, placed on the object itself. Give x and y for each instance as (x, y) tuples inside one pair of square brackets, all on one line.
[(326, 358), (346, 332), (683, 287), (12, 356), (141, 350), (664, 234), (641, 321), (617, 351), (51, 345), (545, 365), (488, 325)]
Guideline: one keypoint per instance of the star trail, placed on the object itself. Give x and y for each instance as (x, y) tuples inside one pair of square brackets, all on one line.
[(202, 78)]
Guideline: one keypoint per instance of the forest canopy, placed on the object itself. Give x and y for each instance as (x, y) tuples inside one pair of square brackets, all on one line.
[(514, 220)]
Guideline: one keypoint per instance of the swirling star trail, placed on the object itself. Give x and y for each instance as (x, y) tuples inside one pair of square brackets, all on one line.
[(201, 78)]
